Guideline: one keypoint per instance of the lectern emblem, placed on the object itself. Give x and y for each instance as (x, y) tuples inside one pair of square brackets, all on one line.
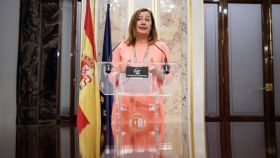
[(136, 71), (137, 121)]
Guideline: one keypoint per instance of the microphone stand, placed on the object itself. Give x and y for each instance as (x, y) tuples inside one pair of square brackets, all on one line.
[(165, 66)]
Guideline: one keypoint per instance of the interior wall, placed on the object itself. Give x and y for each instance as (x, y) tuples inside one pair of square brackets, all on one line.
[(9, 15)]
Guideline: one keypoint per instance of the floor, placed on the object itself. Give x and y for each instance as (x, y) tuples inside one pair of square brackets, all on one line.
[(151, 141), (45, 141)]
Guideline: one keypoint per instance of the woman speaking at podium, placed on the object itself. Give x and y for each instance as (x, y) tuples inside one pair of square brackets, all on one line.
[(142, 46)]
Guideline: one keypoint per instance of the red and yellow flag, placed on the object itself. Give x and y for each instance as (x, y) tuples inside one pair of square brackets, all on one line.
[(88, 114)]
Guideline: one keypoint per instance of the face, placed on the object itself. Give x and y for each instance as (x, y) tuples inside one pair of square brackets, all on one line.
[(144, 24)]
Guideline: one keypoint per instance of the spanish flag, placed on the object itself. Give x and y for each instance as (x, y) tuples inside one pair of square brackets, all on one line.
[(88, 114)]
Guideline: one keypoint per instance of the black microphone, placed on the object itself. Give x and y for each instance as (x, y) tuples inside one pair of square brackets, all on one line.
[(108, 65), (165, 66)]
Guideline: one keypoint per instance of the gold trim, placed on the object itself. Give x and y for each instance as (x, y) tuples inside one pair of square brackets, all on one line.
[(204, 103), (190, 61), (193, 7)]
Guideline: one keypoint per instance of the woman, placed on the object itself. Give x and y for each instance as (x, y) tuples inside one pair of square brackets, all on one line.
[(142, 46)]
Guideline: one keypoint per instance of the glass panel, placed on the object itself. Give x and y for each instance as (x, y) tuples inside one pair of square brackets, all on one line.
[(278, 138), (245, 59), (211, 54), (66, 32), (135, 80), (247, 140), (213, 140), (276, 54)]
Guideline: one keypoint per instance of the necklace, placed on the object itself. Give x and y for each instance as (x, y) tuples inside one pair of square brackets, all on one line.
[(145, 56)]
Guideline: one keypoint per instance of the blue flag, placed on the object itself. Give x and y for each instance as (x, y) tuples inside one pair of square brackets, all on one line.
[(107, 100), (107, 56)]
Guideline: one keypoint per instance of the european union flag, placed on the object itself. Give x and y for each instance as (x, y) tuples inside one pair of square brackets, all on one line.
[(107, 100)]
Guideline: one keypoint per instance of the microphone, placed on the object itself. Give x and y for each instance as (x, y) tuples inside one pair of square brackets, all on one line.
[(165, 66), (108, 66)]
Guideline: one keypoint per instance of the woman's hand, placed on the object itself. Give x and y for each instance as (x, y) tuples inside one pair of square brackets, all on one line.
[(156, 72)]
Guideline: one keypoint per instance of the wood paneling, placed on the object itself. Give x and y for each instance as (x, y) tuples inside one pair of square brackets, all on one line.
[(224, 117), (37, 62)]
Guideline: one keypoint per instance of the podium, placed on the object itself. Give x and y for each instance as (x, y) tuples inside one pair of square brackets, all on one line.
[(144, 86)]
